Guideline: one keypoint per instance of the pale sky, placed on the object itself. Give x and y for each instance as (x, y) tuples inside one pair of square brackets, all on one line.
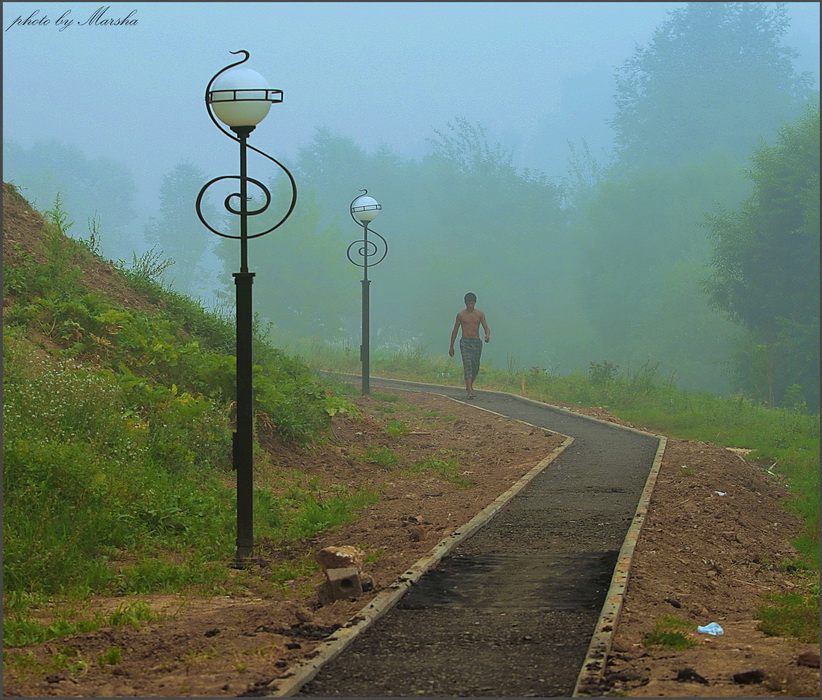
[(384, 72)]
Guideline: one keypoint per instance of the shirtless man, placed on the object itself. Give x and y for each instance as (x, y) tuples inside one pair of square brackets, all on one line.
[(470, 320)]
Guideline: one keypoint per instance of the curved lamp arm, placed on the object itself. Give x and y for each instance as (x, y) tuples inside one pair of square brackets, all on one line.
[(368, 249), (244, 144)]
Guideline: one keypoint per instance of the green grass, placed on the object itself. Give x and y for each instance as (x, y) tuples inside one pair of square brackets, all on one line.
[(791, 615), (117, 436), (669, 633), (314, 516), (19, 630), (446, 469), (397, 428), (382, 456)]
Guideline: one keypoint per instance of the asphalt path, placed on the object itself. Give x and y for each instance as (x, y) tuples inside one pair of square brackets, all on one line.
[(510, 611)]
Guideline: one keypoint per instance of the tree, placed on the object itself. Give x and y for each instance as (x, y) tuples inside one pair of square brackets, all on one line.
[(640, 236), (300, 286), (714, 74), (178, 232), (766, 264)]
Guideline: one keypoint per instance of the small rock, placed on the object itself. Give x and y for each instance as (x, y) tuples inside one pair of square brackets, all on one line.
[(626, 677), (750, 677), (340, 557), (620, 647), (303, 615), (688, 675), (416, 533), (808, 658)]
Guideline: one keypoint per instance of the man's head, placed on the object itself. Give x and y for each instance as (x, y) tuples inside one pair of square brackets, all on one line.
[(471, 297)]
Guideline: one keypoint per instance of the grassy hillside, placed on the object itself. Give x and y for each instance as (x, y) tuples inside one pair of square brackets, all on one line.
[(118, 407)]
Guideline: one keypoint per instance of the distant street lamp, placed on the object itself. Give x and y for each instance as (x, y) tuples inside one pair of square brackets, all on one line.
[(241, 99), (364, 209)]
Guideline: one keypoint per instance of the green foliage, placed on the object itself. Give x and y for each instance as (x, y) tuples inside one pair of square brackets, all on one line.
[(791, 615), (396, 428), (335, 404), (713, 73), (117, 434), (154, 352), (383, 456), (88, 471), (669, 633), (765, 267), (19, 631), (149, 266), (110, 657), (601, 373), (446, 469), (314, 515)]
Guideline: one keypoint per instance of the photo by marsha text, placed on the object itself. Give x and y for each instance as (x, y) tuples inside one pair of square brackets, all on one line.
[(100, 17)]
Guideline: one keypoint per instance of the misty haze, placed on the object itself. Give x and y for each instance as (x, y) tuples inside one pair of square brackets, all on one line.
[(585, 168)]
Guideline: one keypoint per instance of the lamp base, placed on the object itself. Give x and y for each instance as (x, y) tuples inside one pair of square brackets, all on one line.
[(242, 131)]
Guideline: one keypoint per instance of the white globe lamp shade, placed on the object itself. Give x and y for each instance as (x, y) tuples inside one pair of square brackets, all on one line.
[(241, 97), (365, 208)]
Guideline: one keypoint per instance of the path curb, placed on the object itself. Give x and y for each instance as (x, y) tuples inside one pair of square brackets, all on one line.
[(300, 674), (593, 667)]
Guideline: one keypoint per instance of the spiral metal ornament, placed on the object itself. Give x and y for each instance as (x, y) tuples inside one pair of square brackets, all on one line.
[(371, 252), (259, 185)]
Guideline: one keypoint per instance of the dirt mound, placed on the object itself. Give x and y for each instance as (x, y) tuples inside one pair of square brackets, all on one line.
[(27, 237)]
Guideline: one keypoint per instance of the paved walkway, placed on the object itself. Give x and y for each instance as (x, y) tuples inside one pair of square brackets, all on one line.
[(510, 611)]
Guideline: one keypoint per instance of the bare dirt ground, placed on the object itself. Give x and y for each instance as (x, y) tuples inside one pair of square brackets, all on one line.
[(702, 556)]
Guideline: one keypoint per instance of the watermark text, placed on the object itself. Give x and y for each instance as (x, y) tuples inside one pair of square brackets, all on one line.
[(101, 17)]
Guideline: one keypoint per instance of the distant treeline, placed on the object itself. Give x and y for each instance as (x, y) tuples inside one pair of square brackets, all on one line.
[(694, 246)]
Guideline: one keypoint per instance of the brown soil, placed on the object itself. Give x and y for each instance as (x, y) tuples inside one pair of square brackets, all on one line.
[(702, 557)]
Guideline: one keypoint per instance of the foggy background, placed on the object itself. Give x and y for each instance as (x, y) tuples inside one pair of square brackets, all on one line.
[(486, 130)]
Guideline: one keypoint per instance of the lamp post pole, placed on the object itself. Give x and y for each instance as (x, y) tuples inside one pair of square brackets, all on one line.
[(244, 441), (365, 347), (363, 210), (241, 98)]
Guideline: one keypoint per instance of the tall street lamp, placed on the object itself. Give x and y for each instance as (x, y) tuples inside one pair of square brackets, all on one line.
[(241, 98), (364, 209)]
